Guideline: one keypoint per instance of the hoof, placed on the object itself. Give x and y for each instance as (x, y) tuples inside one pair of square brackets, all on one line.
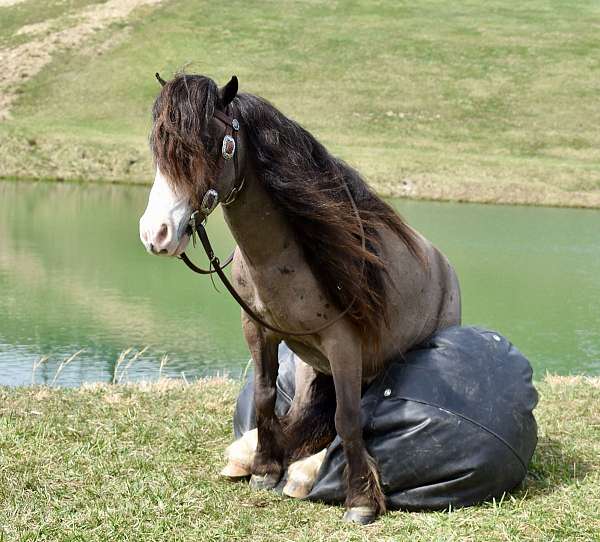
[(235, 471), (363, 515), (296, 490), (302, 475), (240, 455), (264, 481)]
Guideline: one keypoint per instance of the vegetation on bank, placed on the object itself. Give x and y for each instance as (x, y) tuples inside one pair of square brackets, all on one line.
[(482, 101), (141, 462)]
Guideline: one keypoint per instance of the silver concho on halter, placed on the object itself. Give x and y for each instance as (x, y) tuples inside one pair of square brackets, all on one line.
[(209, 202), (228, 149)]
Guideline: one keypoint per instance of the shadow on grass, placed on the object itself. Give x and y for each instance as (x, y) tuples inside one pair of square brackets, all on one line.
[(552, 467)]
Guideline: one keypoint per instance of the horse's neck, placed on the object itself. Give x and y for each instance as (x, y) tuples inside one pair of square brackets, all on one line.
[(259, 228)]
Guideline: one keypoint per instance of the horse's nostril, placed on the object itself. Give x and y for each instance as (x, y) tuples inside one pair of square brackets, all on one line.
[(163, 251), (151, 247), (162, 233)]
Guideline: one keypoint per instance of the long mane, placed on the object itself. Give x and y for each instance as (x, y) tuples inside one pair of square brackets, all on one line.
[(305, 181)]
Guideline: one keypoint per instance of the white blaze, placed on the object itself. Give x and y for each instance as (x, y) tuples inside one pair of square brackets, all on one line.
[(162, 226)]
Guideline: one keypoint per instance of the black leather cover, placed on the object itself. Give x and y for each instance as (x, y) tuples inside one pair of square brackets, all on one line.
[(451, 424)]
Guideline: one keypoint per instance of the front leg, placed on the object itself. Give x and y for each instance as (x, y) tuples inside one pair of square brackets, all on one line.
[(364, 497), (267, 467)]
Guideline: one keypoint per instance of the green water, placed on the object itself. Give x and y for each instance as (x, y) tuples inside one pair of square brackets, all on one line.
[(73, 275)]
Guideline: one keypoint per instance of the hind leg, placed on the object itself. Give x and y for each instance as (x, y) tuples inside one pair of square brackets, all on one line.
[(309, 424), (240, 456), (302, 475), (309, 427)]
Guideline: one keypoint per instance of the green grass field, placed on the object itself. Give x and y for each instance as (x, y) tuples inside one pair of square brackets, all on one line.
[(478, 101), (141, 463)]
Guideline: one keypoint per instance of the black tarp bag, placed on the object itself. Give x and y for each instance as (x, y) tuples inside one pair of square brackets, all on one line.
[(449, 425)]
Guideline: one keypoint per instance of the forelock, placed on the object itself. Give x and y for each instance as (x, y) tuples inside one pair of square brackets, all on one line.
[(180, 137)]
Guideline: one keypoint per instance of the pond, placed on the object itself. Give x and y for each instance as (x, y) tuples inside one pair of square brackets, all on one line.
[(74, 277)]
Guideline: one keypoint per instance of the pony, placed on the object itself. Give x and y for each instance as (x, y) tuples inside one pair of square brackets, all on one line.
[(323, 263)]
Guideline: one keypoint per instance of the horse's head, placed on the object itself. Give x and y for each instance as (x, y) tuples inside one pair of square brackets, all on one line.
[(199, 158)]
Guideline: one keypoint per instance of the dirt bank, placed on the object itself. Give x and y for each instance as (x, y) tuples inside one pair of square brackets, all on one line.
[(22, 62)]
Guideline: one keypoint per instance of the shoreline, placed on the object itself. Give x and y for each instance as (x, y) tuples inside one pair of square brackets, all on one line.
[(520, 195), (164, 383)]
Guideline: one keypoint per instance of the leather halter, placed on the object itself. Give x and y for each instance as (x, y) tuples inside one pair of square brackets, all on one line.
[(229, 150)]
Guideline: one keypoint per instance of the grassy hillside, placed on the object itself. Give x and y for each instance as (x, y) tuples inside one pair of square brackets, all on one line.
[(480, 101), (141, 463)]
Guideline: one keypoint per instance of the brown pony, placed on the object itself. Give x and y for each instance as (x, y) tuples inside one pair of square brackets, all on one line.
[(313, 240)]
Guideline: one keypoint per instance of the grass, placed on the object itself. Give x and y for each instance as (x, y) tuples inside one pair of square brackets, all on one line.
[(141, 462), (482, 101)]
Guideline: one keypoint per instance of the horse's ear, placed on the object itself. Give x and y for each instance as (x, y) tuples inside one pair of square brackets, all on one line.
[(160, 79), (228, 92)]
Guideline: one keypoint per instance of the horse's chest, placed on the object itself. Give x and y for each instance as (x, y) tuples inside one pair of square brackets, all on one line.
[(285, 294), (278, 315)]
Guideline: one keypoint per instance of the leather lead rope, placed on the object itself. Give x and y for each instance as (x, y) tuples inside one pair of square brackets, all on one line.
[(191, 265)]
